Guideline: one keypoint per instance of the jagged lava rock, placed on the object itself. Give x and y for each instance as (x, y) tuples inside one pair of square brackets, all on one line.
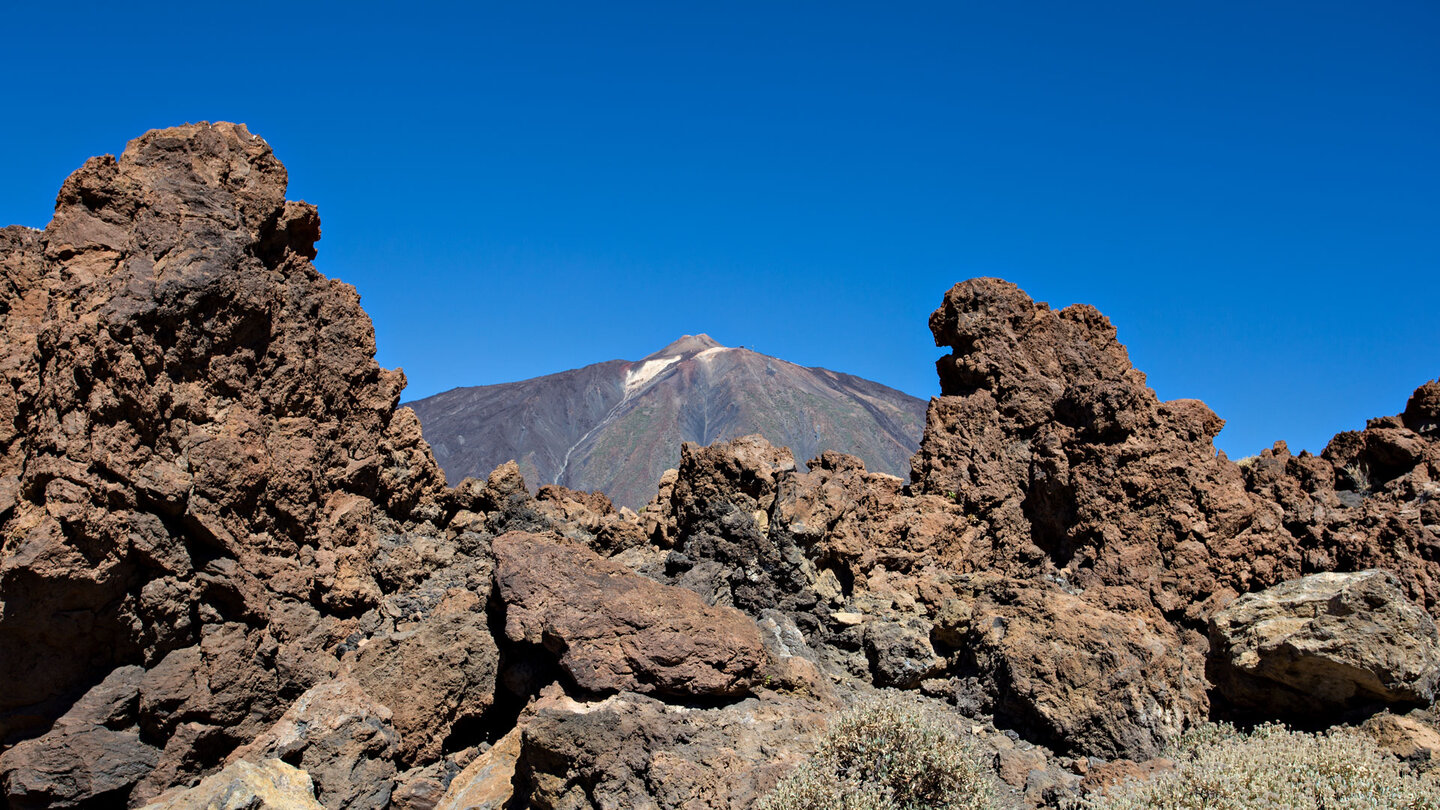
[(615, 630), (1370, 500), (1325, 642), (199, 455), (882, 585), (1046, 433)]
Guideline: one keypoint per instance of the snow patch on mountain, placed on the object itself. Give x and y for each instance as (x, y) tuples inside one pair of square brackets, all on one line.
[(636, 378)]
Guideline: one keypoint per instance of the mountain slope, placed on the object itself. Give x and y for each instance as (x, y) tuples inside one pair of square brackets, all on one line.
[(616, 426)]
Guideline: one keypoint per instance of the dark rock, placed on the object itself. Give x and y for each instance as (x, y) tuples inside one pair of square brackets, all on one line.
[(93, 753), (197, 450), (1046, 434), (1075, 676)]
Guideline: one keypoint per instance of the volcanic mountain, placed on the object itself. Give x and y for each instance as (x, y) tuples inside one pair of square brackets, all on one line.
[(617, 426)]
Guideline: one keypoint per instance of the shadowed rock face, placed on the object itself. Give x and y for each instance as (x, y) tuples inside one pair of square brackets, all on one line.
[(615, 427)]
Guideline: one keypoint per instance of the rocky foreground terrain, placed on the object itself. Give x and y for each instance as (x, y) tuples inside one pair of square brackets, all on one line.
[(616, 427), (232, 573)]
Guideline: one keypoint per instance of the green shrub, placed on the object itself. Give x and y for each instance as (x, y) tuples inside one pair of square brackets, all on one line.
[(1218, 768), (890, 754)]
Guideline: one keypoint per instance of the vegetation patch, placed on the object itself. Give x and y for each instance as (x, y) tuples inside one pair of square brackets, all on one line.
[(890, 754), (1219, 768)]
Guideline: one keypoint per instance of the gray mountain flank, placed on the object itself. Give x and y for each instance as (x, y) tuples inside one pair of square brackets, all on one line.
[(617, 426)]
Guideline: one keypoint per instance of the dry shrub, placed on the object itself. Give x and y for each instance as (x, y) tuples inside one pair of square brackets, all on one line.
[(890, 754), (1219, 768)]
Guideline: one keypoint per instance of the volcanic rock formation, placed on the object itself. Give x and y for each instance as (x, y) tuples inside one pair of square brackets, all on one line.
[(229, 565), (615, 427)]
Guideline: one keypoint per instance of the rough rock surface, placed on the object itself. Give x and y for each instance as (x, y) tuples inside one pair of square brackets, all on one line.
[(634, 751), (614, 630), (1325, 641), (1075, 676), (270, 785), (92, 751), (488, 782), (200, 461), (432, 671), (342, 738), (881, 584), (1049, 437), (222, 543), (1370, 500)]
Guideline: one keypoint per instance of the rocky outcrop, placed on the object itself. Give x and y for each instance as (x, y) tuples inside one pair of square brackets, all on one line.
[(1370, 500), (883, 585), (270, 785), (613, 630), (1325, 643), (1047, 435), (342, 738), (634, 751), (200, 465), (225, 552)]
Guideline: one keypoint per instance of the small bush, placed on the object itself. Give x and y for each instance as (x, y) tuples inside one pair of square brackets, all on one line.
[(888, 755), (1218, 768)]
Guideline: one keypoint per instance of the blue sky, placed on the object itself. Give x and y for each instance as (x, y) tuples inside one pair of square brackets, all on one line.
[(1249, 190)]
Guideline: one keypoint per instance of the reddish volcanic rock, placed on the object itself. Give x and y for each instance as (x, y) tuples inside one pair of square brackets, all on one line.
[(1371, 500), (1046, 433), (199, 457), (1086, 678), (220, 540), (615, 630)]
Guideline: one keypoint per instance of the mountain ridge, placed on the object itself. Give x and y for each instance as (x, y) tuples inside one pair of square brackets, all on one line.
[(615, 426)]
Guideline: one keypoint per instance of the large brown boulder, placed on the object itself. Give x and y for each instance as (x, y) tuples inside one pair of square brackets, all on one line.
[(613, 630), (433, 671), (633, 751), (1323, 643), (1075, 676)]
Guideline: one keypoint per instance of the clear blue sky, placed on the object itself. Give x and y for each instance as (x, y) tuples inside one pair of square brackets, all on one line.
[(1250, 190)]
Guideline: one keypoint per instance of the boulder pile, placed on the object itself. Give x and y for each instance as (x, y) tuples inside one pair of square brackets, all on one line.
[(231, 573)]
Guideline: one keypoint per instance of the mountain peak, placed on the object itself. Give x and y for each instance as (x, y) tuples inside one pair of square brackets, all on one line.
[(687, 344)]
